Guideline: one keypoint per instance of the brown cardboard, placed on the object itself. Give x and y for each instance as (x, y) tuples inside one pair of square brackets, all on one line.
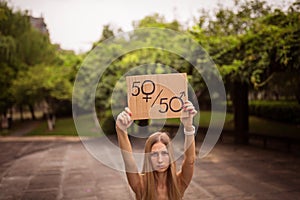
[(157, 96)]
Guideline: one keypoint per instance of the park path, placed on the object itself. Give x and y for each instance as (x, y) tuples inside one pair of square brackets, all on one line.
[(61, 168), (25, 127)]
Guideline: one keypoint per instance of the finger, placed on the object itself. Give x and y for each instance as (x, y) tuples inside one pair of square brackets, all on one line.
[(128, 119), (193, 112), (123, 117), (187, 103), (119, 118), (128, 111), (128, 114), (189, 107)]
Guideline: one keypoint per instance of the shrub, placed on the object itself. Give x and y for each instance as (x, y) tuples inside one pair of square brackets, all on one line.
[(108, 124), (284, 111)]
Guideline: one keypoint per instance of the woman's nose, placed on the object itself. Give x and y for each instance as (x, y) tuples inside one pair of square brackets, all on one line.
[(160, 158)]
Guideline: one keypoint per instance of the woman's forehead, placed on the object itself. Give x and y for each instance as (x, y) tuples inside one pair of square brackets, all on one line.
[(159, 146)]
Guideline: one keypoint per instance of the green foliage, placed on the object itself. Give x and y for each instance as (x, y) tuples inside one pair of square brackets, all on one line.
[(156, 21), (127, 62), (53, 79), (12, 25), (252, 44), (24, 52), (7, 47), (32, 70), (43, 83), (34, 48), (284, 111), (68, 58), (108, 124), (252, 41)]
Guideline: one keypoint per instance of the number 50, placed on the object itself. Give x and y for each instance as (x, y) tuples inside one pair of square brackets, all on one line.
[(164, 103)]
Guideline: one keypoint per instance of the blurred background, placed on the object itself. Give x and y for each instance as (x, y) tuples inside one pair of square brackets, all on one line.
[(254, 44)]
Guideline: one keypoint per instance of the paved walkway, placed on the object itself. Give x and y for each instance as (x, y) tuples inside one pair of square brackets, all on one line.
[(61, 168)]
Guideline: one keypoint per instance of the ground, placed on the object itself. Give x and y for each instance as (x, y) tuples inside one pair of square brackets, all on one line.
[(62, 168)]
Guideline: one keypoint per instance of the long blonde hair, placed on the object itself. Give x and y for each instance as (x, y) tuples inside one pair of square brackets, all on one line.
[(150, 181)]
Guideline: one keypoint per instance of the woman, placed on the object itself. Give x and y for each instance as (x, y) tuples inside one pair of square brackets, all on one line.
[(159, 179)]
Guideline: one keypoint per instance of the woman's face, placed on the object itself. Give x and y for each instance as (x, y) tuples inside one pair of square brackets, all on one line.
[(159, 157)]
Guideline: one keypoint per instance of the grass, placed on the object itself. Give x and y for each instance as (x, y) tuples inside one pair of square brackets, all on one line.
[(205, 117), (5, 132), (269, 127), (256, 125), (66, 126)]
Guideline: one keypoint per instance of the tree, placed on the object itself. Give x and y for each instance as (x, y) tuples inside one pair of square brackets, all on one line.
[(47, 84), (279, 57), (12, 26), (32, 70), (126, 62), (156, 21), (249, 43)]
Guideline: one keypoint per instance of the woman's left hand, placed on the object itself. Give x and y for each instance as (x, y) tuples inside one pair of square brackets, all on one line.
[(188, 121)]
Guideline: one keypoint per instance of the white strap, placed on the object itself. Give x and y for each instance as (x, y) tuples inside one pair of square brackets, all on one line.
[(189, 132)]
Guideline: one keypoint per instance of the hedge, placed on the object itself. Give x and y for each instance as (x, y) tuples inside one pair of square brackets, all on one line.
[(284, 111)]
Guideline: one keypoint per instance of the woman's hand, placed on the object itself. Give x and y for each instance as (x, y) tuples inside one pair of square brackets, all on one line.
[(188, 121), (124, 120)]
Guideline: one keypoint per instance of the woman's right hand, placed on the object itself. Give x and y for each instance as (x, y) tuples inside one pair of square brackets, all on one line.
[(124, 120)]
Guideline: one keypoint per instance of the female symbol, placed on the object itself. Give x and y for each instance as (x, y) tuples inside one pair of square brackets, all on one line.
[(150, 92)]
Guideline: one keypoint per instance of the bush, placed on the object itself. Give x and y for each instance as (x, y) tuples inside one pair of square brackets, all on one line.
[(108, 124), (64, 109), (284, 111)]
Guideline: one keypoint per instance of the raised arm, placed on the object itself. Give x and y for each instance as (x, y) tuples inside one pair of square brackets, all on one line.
[(122, 124), (187, 169)]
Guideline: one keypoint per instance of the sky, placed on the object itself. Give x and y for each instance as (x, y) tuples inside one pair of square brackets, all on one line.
[(77, 24)]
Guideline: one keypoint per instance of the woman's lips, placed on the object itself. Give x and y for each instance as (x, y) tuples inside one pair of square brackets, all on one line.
[(160, 166)]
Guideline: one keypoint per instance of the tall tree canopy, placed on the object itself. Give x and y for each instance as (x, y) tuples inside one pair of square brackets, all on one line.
[(32, 69), (251, 43)]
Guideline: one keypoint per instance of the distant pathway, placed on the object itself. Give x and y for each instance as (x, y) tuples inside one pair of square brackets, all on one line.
[(25, 128)]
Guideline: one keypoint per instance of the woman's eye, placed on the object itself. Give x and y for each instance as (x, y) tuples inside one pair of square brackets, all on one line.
[(154, 154)]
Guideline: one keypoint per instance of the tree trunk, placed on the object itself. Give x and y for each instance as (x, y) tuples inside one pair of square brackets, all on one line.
[(51, 121), (21, 113), (241, 112), (50, 125), (10, 118), (298, 90), (4, 120), (31, 108), (50, 116)]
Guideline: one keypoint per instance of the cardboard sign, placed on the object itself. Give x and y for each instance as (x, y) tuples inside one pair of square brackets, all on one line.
[(157, 96)]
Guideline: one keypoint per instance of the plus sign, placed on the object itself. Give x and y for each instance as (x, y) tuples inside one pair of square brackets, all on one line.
[(147, 98)]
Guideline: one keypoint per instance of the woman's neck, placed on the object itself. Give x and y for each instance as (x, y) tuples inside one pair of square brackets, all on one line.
[(161, 179)]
